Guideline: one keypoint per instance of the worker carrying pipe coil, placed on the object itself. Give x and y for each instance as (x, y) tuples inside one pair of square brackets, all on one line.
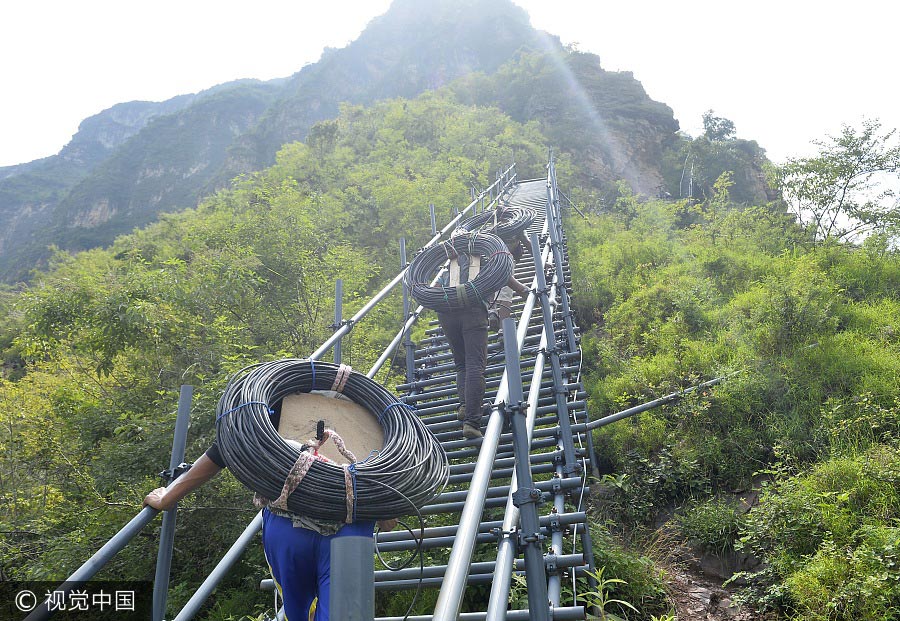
[(462, 302), (509, 224), (307, 498)]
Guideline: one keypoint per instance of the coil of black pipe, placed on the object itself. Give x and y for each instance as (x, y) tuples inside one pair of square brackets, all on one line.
[(474, 223), (507, 223), (495, 272), (513, 222), (410, 469)]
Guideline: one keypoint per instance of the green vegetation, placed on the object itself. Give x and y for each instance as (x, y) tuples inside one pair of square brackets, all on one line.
[(97, 348), (713, 524), (630, 583), (669, 293), (850, 187), (679, 292)]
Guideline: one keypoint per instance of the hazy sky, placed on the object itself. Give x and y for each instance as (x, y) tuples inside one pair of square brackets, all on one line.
[(784, 71)]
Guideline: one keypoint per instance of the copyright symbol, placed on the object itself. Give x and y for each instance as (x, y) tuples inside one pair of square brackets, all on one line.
[(26, 601)]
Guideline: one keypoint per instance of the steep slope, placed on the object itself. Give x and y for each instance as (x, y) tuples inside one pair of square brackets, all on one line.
[(414, 47), (29, 192), (603, 118), (130, 164), (168, 165)]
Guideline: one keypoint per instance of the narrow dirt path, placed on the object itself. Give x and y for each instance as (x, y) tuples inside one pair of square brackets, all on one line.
[(700, 598)]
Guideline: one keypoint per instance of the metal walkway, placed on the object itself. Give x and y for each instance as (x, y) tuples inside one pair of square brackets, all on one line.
[(480, 493), (516, 515)]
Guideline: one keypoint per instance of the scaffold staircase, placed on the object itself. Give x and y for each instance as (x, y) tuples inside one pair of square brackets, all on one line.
[(513, 513)]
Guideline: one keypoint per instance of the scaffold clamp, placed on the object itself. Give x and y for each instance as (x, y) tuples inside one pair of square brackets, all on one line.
[(170, 474)]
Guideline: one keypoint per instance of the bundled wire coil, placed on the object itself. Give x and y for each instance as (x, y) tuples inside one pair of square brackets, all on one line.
[(474, 223), (495, 272), (409, 470), (513, 222), (506, 223)]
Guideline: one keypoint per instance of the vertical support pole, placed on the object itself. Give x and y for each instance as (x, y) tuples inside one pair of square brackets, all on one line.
[(526, 496), (556, 236), (433, 220), (556, 245), (407, 341), (338, 316), (352, 579), (167, 533), (570, 463)]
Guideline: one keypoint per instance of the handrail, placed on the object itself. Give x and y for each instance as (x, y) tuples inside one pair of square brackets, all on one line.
[(450, 597), (167, 532), (209, 584), (102, 556), (637, 409), (507, 548), (118, 541)]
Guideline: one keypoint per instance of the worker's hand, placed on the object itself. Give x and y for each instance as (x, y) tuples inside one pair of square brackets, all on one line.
[(387, 525), (157, 499)]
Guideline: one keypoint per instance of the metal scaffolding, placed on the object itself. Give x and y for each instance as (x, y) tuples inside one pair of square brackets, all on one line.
[(516, 496)]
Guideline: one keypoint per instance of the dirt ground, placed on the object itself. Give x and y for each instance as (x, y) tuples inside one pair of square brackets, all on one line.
[(698, 597)]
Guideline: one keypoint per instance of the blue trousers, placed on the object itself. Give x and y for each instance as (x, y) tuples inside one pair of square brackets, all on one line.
[(300, 560)]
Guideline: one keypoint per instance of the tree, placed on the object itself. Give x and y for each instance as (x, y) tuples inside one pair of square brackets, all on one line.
[(717, 127), (849, 189)]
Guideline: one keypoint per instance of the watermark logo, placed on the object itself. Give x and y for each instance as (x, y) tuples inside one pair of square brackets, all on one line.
[(76, 601)]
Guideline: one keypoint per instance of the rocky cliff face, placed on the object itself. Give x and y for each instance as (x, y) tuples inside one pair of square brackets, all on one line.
[(168, 165), (416, 46), (134, 161), (101, 134), (603, 118), (30, 193)]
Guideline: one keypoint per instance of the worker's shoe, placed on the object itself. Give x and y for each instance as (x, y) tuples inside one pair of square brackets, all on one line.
[(471, 432), (493, 320), (461, 412)]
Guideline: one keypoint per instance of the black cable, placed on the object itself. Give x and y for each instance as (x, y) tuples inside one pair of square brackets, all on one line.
[(507, 223), (473, 223), (409, 470), (419, 551), (513, 222), (495, 272)]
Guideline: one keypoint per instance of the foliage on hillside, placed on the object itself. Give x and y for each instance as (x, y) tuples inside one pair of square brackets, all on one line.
[(675, 294), (668, 293), (603, 118), (97, 347)]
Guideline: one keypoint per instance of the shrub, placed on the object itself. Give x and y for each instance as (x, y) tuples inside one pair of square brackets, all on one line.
[(642, 582), (713, 524), (858, 581), (825, 538)]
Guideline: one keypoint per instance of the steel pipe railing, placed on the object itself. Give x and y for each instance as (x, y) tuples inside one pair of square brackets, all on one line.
[(450, 597), (167, 532)]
